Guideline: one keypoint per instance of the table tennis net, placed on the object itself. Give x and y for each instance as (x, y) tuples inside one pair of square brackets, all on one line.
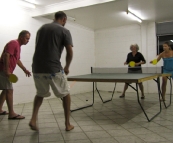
[(124, 69)]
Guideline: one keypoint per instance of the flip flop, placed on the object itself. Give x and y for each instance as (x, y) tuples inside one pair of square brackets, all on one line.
[(16, 117), (4, 113)]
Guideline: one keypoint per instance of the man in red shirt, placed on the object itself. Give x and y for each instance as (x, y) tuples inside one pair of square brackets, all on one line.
[(9, 59)]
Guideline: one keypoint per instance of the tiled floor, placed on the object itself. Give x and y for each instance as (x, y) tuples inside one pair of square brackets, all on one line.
[(118, 121)]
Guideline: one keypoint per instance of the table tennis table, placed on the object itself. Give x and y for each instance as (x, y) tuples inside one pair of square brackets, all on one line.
[(123, 78)]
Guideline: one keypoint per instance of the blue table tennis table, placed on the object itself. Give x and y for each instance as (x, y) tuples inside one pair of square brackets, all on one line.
[(123, 78)]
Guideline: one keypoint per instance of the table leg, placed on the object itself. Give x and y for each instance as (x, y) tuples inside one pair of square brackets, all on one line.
[(86, 105), (101, 96), (137, 92)]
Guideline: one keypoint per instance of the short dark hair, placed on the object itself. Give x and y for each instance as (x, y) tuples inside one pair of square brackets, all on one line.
[(23, 33), (60, 15)]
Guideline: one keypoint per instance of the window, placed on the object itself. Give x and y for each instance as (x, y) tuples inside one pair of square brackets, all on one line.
[(161, 40), (164, 33)]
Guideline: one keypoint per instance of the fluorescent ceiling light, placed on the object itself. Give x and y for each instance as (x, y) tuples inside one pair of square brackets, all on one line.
[(31, 1), (171, 40), (133, 16), (26, 4)]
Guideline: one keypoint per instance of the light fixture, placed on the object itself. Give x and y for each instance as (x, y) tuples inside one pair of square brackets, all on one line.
[(171, 40), (25, 4), (31, 1), (133, 16)]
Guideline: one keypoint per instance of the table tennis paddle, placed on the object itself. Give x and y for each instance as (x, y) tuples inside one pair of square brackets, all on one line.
[(154, 62), (132, 64), (13, 78)]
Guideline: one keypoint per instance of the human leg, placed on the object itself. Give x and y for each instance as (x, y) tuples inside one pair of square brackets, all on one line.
[(164, 83), (125, 88), (42, 90), (61, 89), (37, 103), (141, 87), (66, 105), (2, 99), (5, 84), (9, 100)]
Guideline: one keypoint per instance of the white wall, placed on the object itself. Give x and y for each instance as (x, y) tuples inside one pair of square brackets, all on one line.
[(84, 56), (18, 19), (12, 23), (102, 48), (112, 46)]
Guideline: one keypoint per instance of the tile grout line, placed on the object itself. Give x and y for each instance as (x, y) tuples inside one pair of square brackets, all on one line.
[(17, 124), (79, 125), (56, 120)]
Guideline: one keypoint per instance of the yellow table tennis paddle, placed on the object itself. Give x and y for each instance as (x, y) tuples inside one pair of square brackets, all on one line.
[(13, 78), (154, 62), (132, 64)]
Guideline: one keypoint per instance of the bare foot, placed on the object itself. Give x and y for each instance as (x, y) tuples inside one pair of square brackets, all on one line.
[(122, 96), (33, 127), (162, 99), (69, 128)]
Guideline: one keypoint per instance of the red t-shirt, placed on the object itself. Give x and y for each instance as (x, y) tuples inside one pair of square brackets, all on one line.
[(13, 48)]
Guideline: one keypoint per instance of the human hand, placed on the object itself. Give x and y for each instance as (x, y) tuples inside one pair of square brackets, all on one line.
[(66, 70), (28, 73), (136, 64)]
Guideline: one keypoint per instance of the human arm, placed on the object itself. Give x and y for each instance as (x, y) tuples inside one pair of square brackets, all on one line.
[(158, 57), (28, 73), (127, 60), (140, 63), (69, 56), (125, 63), (6, 61), (9, 50)]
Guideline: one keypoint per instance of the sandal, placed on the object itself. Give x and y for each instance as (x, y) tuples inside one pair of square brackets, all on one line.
[(17, 117), (4, 113)]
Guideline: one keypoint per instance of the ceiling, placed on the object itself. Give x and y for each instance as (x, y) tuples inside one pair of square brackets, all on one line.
[(47, 2), (113, 13)]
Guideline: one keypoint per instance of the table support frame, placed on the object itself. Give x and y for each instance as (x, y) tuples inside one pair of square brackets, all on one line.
[(138, 98), (159, 95)]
